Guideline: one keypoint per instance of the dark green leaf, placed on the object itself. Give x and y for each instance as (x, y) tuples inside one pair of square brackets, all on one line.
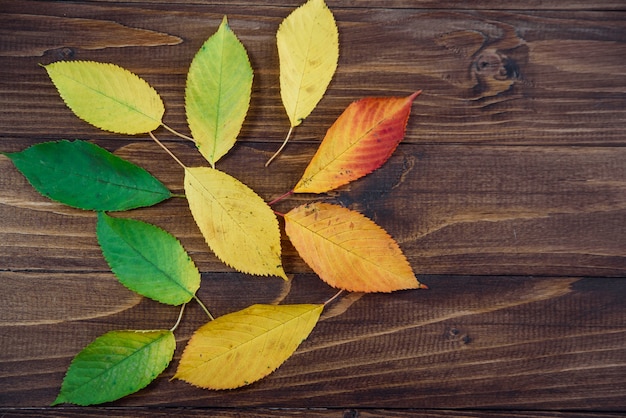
[(86, 176)]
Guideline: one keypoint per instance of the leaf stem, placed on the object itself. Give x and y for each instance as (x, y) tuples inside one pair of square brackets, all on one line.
[(281, 147), (282, 215), (334, 297), (166, 150), (180, 316), (203, 307), (281, 197), (178, 134)]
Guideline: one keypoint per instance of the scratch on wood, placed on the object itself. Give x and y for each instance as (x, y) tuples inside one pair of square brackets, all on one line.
[(53, 32), (544, 290), (342, 305)]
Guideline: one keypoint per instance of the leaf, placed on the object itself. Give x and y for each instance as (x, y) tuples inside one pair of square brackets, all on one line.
[(147, 260), (359, 142), (85, 176), (238, 225), (217, 97), (308, 50), (347, 250), (107, 96), (116, 364), (242, 347)]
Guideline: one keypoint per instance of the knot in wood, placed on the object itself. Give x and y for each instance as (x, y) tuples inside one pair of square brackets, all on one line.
[(496, 65)]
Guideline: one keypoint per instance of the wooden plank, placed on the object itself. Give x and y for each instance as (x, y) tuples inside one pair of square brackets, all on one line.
[(74, 412), (507, 196), (516, 343), (574, 5), (453, 209), (498, 77)]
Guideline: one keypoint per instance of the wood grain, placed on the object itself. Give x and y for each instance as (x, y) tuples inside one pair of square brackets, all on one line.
[(504, 77), (501, 210), (468, 342), (508, 196)]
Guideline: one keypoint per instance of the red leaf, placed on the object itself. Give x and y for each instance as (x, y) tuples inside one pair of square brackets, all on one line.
[(359, 142)]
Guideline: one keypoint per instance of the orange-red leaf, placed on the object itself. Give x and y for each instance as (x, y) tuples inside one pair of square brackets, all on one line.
[(347, 250), (359, 142)]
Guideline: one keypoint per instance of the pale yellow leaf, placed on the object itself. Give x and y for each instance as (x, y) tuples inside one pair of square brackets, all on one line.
[(308, 50), (240, 348), (238, 225)]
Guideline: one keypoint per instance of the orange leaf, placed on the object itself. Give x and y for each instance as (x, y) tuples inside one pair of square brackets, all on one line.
[(359, 142), (347, 250)]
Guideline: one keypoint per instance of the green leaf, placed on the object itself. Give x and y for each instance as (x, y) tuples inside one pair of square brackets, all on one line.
[(217, 97), (107, 96), (85, 176), (116, 364), (147, 260)]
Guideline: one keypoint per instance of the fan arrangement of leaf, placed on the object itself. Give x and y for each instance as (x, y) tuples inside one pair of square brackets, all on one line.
[(347, 250)]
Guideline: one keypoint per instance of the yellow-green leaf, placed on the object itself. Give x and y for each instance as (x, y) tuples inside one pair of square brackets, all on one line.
[(238, 225), (107, 96), (217, 97), (242, 347), (308, 50), (347, 250)]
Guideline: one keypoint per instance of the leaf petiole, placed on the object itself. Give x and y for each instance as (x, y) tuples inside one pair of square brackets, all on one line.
[(334, 297), (180, 316), (204, 308), (166, 150), (281, 147), (281, 197), (178, 134)]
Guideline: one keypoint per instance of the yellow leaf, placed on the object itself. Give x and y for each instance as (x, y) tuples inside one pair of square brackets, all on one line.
[(238, 225), (308, 50), (347, 250), (107, 96), (240, 348)]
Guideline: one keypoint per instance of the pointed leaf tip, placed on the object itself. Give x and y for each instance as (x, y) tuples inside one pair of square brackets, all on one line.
[(360, 141), (347, 250)]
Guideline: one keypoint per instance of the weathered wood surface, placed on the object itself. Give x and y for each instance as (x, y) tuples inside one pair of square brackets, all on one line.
[(508, 197)]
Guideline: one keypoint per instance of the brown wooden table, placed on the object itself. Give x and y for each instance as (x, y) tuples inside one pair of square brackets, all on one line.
[(508, 196)]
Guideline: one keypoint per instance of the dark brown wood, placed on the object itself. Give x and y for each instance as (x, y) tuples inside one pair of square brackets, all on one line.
[(508, 196), (454, 209)]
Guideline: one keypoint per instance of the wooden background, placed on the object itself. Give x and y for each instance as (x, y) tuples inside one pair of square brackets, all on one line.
[(508, 196)]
